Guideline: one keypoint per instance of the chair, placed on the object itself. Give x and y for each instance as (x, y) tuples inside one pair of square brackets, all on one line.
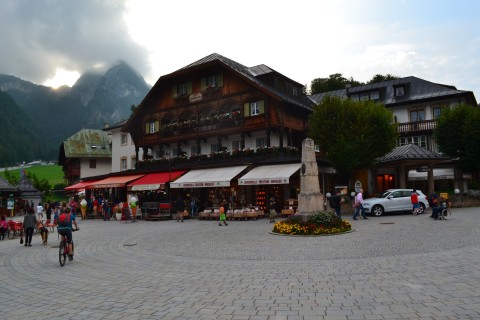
[(51, 225)]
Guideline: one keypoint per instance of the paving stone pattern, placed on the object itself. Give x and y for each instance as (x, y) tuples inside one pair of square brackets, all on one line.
[(392, 267)]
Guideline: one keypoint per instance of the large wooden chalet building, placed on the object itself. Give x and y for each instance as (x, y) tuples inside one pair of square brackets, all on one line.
[(220, 119)]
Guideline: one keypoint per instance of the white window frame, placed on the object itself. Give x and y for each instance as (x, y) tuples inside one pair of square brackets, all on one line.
[(399, 91), (417, 112), (123, 164), (254, 108), (151, 126), (124, 139)]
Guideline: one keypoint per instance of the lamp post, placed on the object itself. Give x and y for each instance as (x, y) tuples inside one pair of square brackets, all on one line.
[(457, 192)]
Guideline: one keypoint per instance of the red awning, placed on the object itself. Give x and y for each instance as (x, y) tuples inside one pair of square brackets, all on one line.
[(154, 181), (80, 185), (114, 182)]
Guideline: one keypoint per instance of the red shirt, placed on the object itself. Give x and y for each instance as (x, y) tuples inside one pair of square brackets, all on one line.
[(414, 197)]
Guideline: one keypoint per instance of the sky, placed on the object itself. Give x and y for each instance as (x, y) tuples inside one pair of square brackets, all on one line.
[(53, 42)]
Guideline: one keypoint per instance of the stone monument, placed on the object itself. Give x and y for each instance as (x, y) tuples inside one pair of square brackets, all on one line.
[(310, 200)]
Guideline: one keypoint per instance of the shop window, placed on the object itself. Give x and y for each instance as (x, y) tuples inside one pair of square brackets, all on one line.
[(93, 163)]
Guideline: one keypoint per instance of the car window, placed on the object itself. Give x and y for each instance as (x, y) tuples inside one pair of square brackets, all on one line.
[(396, 194), (385, 194), (406, 193)]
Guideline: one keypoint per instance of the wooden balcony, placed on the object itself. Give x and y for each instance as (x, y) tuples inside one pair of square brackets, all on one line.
[(418, 126)]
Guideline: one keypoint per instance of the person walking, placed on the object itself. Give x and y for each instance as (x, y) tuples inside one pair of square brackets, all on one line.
[(48, 210), (39, 211), (193, 206), (29, 223), (358, 204), (180, 207), (414, 200), (3, 227), (222, 215), (273, 212), (335, 203)]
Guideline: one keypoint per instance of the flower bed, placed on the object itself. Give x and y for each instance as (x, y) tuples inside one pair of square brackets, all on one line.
[(321, 223)]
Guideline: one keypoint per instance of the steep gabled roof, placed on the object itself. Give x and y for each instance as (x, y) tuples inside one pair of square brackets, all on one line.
[(252, 74), (88, 143), (417, 90)]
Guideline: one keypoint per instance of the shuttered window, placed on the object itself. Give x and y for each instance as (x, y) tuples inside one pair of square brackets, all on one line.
[(254, 108)]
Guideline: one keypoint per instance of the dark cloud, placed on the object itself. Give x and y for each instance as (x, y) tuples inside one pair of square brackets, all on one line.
[(38, 36)]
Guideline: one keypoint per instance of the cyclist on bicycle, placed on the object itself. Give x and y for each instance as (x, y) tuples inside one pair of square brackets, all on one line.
[(64, 228)]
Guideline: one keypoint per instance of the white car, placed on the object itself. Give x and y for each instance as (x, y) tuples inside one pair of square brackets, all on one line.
[(394, 200)]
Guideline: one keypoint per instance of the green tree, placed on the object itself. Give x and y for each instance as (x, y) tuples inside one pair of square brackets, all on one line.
[(334, 82), (458, 135), (380, 78), (352, 133)]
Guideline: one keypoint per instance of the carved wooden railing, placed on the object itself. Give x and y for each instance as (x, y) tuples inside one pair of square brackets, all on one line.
[(418, 126)]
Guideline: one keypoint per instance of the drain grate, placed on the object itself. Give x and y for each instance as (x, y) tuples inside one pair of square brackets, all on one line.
[(387, 222), (129, 244)]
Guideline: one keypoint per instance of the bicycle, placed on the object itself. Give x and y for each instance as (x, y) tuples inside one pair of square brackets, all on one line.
[(63, 250)]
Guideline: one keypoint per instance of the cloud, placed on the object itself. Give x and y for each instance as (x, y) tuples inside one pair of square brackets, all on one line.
[(38, 37)]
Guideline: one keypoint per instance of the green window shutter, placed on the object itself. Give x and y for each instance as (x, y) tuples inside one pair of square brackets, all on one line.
[(246, 109), (147, 125), (261, 106), (157, 126), (189, 87), (203, 84), (220, 80)]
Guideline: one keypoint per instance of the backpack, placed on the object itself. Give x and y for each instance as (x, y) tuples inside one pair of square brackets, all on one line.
[(63, 220)]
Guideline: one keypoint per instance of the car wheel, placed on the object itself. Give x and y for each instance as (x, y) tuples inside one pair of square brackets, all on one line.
[(421, 209), (377, 210)]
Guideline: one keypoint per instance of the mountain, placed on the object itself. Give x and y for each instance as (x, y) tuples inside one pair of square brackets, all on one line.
[(95, 99), (20, 139)]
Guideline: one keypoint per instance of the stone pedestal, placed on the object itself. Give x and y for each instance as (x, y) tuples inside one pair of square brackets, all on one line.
[(310, 200)]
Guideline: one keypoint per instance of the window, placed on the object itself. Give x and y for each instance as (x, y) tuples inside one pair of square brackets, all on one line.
[(213, 81), (195, 150), (134, 162), (317, 148), (123, 164), (254, 108), (417, 115), (124, 139), (374, 95), (152, 126), (261, 142), (420, 141), (354, 97), (364, 96), (399, 91), (436, 112), (214, 148), (93, 163), (235, 145)]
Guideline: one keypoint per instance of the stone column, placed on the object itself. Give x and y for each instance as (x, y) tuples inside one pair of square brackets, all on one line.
[(310, 200)]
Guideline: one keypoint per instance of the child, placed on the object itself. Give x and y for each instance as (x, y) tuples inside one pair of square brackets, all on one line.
[(43, 232), (223, 217)]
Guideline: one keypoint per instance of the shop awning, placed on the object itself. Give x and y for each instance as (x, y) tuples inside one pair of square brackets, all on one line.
[(80, 185), (154, 181), (438, 174), (114, 182), (208, 178), (274, 174)]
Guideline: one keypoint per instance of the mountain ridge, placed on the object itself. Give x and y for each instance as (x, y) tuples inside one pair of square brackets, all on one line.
[(94, 99)]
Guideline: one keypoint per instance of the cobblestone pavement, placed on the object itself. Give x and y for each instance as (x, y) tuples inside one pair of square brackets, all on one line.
[(392, 267)]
